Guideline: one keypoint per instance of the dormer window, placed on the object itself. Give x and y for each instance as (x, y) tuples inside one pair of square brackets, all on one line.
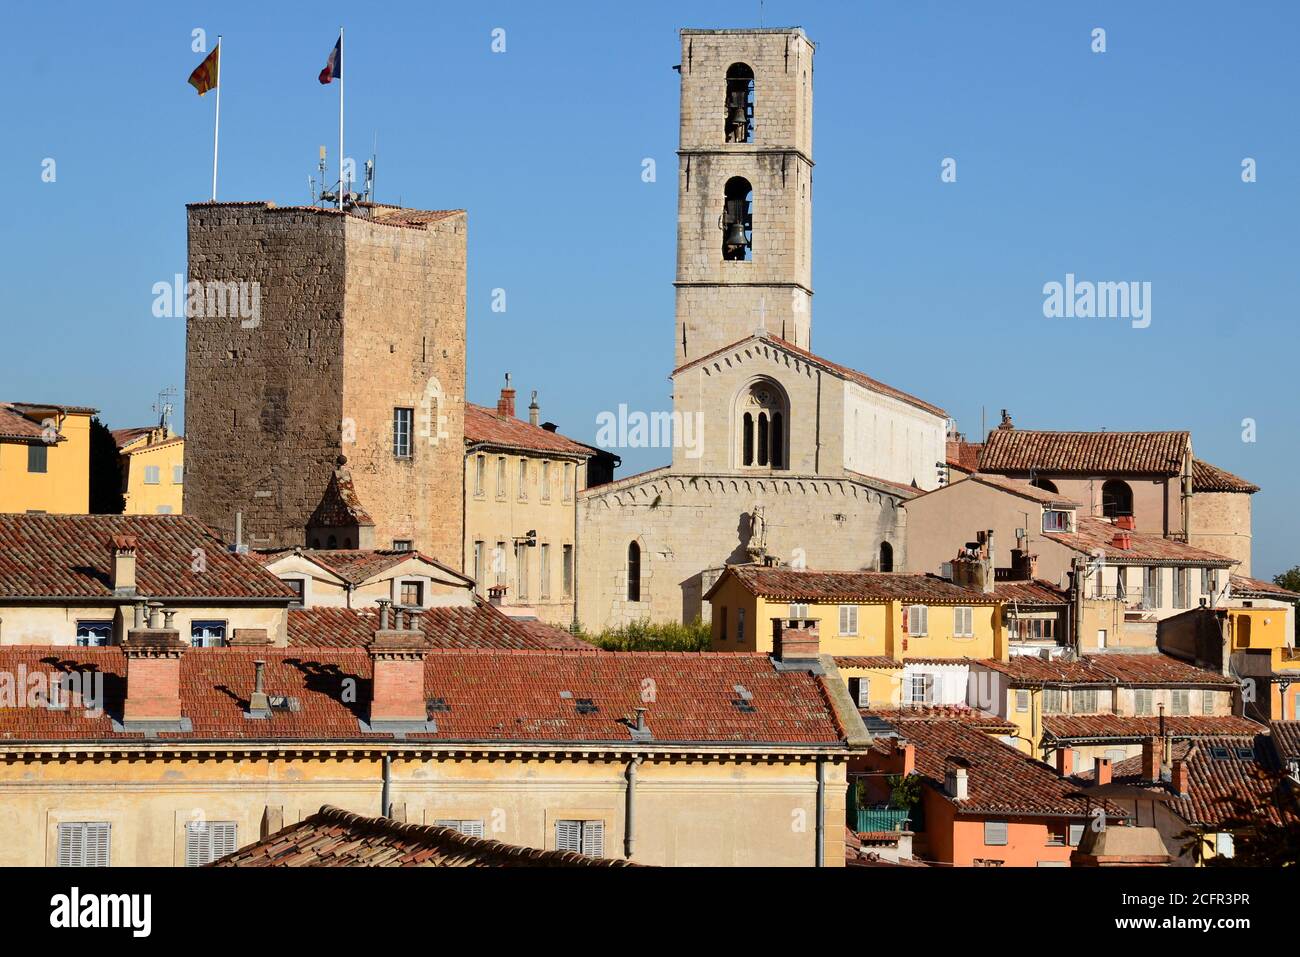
[(1057, 520), (740, 104)]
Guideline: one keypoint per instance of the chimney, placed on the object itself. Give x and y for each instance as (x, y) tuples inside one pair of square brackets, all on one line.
[(497, 595), (258, 702), (1126, 522), (908, 752), (1103, 771), (1122, 540), (122, 549), (955, 784), (1064, 762), (1151, 759), (397, 688), (534, 410), (1181, 777), (506, 404), (1024, 566), (795, 641), (153, 675), (1006, 420), (987, 575)]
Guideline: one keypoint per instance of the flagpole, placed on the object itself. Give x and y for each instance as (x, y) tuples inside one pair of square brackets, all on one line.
[(340, 117), (216, 129)]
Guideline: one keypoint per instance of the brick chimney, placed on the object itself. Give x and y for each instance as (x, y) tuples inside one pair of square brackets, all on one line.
[(1064, 762), (153, 672), (1151, 748), (506, 404), (795, 641), (1102, 775), (397, 660), (122, 551), (1126, 522), (1024, 566), (1181, 777), (534, 410)]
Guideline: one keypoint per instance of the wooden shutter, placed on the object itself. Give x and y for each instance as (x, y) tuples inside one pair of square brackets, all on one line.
[(69, 845), (593, 838), (568, 836), (195, 843), (205, 841), (84, 844)]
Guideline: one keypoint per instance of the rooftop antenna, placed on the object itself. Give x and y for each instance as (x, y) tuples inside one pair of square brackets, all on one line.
[(325, 196), (164, 406), (370, 171)]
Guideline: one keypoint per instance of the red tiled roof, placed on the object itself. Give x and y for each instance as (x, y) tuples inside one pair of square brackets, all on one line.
[(355, 565), (1286, 739), (473, 626), (1241, 585), (971, 717), (1116, 668), (1076, 727), (124, 437), (1226, 786), (808, 585), (484, 427), (336, 838), (1027, 592), (867, 661), (1096, 534), (1211, 478), (482, 696), (15, 425), (68, 556), (844, 372), (1084, 453), (963, 455), (1000, 779), (1013, 486), (908, 491), (550, 635)]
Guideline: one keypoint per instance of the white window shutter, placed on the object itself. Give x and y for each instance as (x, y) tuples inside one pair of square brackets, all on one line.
[(195, 843), (97, 845), (593, 838), (224, 841), (568, 836), (69, 845)]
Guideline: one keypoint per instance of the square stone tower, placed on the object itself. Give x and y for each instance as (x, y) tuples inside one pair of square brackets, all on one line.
[(353, 352), (744, 208)]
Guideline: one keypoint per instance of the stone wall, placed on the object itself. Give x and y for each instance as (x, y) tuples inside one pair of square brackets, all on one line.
[(1220, 522)]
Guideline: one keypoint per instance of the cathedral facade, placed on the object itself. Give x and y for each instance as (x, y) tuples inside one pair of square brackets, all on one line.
[(794, 458)]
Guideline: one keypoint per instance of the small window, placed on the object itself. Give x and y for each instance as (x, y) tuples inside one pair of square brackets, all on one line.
[(860, 689), (1053, 701), (799, 611), (467, 827), (178, 475), (37, 458), (1076, 834), (1223, 845), (544, 570), (94, 634), (499, 563), (567, 492), (1151, 597), (740, 624), (848, 620), (84, 844), (521, 571), (633, 572), (1121, 583), (205, 841), (480, 473), (722, 623), (1142, 703), (1022, 700), (412, 593), (523, 480), (1056, 835), (479, 551), (1083, 701), (1116, 499), (920, 689), (995, 833), (1179, 702), (963, 625), (886, 562), (918, 620), (567, 558), (501, 478), (546, 481), (401, 544), (1181, 596), (402, 422), (163, 510), (1055, 520), (299, 586), (207, 634), (151, 475), (1114, 755), (581, 837), (1207, 702)]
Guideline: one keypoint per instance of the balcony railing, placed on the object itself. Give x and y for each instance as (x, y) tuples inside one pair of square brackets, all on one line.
[(881, 819)]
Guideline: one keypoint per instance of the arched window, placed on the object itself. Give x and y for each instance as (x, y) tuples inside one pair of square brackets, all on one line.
[(332, 542), (886, 557), (740, 104), (1045, 485), (633, 572), (1116, 499), (761, 425), (737, 220)]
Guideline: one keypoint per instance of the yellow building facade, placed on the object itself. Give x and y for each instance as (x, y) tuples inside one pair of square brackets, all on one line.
[(45, 458), (152, 461)]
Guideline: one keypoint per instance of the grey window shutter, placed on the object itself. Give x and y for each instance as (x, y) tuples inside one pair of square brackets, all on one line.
[(472, 828), (97, 845), (224, 834), (593, 838), (568, 836), (69, 845), (195, 840)]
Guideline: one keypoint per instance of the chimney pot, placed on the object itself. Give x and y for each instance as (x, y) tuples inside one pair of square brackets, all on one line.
[(506, 404), (496, 594), (640, 719), (383, 604), (956, 784), (909, 759), (534, 410), (795, 639), (1181, 777), (1103, 775), (123, 554), (1064, 762), (258, 700), (1151, 759)]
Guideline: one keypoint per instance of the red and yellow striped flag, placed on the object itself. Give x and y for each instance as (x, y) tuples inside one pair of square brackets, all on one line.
[(205, 76)]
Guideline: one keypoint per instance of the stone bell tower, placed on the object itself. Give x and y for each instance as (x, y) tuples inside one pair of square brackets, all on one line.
[(744, 207)]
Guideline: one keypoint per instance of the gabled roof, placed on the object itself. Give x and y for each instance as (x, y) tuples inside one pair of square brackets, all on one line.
[(336, 838), (1257, 588), (456, 626), (963, 455), (484, 427), (1027, 592), (1211, 478), (1113, 727), (1107, 669), (1286, 739), (478, 696), (1012, 486), (1095, 535), (843, 372), (789, 584), (69, 556), (358, 565), (16, 426), (1084, 453), (1000, 779)]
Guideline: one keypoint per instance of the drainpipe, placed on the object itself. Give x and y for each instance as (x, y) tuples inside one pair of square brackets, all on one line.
[(629, 827), (385, 801), (821, 813)]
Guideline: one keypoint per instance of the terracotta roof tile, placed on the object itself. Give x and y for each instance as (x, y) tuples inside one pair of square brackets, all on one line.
[(963, 455), (484, 427), (15, 425), (867, 661), (1286, 739), (1211, 478), (336, 838), (809, 585), (971, 717), (483, 696), (1116, 668), (1255, 587), (69, 556), (1027, 592), (355, 565), (340, 506), (1094, 534), (475, 626), (1084, 453), (1077, 727)]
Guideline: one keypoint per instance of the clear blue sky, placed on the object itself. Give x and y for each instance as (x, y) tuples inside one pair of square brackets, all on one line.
[(1117, 166)]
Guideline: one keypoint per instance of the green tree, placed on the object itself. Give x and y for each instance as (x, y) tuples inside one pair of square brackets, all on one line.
[(105, 472), (1289, 579)]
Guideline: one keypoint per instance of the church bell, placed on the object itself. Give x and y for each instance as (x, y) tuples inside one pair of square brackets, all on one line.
[(735, 224)]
